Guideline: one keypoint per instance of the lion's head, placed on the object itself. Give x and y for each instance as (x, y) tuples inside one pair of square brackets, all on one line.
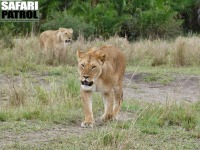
[(90, 67), (65, 35)]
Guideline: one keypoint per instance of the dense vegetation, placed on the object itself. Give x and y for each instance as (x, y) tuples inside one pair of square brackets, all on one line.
[(131, 18)]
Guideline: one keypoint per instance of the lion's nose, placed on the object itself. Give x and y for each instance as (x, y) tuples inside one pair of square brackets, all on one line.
[(68, 41), (86, 76)]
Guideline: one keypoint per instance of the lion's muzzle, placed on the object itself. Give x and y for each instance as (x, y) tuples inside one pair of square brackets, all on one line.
[(87, 83)]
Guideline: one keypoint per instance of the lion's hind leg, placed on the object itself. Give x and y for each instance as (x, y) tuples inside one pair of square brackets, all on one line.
[(108, 105), (118, 98)]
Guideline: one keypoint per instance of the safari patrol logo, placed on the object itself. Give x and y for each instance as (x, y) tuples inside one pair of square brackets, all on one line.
[(19, 11)]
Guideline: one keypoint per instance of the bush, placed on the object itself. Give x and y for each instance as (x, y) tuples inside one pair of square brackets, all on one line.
[(153, 23), (62, 19), (6, 39)]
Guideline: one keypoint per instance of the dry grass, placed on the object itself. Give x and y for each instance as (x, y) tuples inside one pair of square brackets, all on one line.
[(188, 50), (183, 51)]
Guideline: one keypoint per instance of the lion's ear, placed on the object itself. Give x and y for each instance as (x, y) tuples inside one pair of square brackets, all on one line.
[(61, 29), (80, 54), (101, 55), (70, 30)]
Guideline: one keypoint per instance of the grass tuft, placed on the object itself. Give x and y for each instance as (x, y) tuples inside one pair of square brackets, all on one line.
[(169, 115)]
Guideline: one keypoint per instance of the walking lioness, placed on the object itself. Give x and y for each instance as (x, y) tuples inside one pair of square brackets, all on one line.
[(101, 70), (55, 39)]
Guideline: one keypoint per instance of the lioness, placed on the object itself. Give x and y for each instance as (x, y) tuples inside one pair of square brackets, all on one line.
[(101, 70), (57, 39)]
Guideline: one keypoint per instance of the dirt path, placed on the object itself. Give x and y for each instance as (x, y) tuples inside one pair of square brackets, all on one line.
[(181, 88), (40, 136)]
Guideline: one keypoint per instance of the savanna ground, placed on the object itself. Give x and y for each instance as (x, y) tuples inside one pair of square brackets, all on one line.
[(40, 107)]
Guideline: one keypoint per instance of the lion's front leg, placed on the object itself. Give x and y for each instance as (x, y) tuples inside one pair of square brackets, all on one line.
[(108, 106), (86, 97)]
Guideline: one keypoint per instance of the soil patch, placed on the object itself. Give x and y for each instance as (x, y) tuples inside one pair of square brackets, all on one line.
[(181, 88)]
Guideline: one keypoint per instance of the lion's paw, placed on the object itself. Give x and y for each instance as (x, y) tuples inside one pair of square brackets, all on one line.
[(87, 124), (106, 117)]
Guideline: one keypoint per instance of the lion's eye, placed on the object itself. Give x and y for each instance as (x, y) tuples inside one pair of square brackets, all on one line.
[(94, 67), (82, 65)]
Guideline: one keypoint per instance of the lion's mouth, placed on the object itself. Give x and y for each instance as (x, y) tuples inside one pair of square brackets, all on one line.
[(87, 83)]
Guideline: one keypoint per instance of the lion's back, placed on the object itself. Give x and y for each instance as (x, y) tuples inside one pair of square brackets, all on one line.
[(116, 58), (47, 38), (47, 34)]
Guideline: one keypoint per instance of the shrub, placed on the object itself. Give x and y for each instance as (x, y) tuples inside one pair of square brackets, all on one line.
[(62, 19), (7, 40), (153, 23)]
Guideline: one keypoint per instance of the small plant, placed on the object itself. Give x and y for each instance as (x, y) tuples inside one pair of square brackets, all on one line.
[(55, 72), (42, 95), (123, 125), (111, 138), (29, 115), (17, 95), (72, 85), (3, 116)]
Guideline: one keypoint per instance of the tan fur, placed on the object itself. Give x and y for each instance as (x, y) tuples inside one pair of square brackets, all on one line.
[(55, 39), (104, 68)]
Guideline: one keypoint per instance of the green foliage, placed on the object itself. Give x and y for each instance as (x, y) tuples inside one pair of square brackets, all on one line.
[(48, 6), (106, 21), (12, 28), (132, 19), (152, 19), (62, 19), (6, 40), (158, 23)]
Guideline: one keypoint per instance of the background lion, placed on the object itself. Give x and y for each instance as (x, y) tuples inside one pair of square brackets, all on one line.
[(101, 70), (57, 39)]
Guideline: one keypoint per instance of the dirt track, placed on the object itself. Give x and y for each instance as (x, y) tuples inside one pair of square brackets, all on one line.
[(181, 88)]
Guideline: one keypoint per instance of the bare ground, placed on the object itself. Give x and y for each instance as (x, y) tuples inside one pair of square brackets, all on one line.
[(181, 88), (41, 136)]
